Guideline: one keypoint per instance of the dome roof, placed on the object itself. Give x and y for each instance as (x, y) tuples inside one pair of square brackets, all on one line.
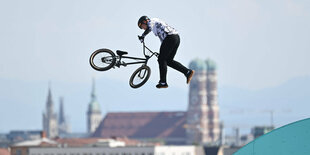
[(198, 65), (94, 106), (211, 65)]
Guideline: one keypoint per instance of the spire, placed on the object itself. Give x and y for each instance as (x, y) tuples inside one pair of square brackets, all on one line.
[(93, 94), (61, 112), (63, 126), (94, 113), (49, 117), (49, 102), (94, 105)]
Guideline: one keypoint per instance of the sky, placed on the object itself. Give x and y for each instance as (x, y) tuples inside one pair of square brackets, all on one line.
[(256, 44)]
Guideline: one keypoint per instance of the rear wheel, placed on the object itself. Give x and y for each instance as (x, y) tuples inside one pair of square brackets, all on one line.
[(140, 76), (102, 59)]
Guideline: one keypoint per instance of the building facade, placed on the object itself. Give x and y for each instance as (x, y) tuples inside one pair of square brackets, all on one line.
[(94, 115), (132, 150), (50, 123), (63, 126), (203, 125)]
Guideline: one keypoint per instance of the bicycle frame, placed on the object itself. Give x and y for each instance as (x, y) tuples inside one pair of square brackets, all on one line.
[(138, 60)]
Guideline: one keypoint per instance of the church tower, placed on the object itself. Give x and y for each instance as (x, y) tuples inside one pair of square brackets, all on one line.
[(214, 124), (94, 113), (50, 118), (63, 127), (203, 126)]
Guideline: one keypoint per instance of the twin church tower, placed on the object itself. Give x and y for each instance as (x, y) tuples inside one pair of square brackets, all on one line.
[(56, 125)]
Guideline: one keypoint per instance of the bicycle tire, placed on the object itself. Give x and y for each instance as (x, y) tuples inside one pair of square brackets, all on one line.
[(102, 59), (141, 79)]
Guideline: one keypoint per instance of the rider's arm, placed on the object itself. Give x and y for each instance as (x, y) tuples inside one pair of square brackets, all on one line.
[(147, 31)]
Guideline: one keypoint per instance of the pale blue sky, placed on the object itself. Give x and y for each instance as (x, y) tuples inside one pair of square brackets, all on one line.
[(256, 44)]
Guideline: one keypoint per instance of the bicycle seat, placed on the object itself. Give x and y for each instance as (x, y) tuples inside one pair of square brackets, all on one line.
[(120, 53)]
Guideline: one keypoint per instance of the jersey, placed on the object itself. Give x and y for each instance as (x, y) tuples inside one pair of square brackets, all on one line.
[(160, 29)]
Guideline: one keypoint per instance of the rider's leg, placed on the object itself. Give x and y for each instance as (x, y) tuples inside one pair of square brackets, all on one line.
[(165, 50), (172, 63), (176, 65), (162, 69)]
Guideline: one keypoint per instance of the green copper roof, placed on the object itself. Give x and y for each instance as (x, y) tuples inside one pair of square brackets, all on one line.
[(211, 65), (93, 106), (198, 65)]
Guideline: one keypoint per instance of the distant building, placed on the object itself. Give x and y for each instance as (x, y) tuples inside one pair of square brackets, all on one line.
[(4, 141), (22, 148), (50, 123), (203, 124), (4, 151), (261, 130), (137, 150), (23, 135), (116, 146), (220, 150), (63, 126), (164, 127), (55, 125), (198, 125), (94, 115), (245, 139)]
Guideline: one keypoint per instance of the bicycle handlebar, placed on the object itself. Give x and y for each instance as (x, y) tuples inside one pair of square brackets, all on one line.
[(141, 39), (145, 47)]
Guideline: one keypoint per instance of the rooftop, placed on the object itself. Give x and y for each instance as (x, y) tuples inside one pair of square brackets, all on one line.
[(142, 125)]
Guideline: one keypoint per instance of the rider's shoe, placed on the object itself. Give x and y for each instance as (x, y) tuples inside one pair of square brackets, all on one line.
[(189, 76), (162, 85)]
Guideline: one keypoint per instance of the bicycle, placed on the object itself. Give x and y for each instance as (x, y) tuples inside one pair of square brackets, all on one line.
[(105, 59)]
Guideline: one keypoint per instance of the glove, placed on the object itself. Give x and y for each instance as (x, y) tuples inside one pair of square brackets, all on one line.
[(141, 38)]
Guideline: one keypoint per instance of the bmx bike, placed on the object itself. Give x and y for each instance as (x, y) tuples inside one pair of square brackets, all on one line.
[(105, 59)]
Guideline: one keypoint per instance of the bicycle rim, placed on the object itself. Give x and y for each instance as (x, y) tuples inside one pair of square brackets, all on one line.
[(140, 76), (102, 60)]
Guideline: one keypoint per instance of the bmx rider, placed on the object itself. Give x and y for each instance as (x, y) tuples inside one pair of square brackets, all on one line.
[(170, 42)]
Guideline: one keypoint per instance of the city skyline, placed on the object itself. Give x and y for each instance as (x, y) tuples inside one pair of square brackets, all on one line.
[(261, 48), (228, 110)]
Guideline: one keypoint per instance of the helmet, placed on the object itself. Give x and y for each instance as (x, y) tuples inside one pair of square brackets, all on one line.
[(142, 20)]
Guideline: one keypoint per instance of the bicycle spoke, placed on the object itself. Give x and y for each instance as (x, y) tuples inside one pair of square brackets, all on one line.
[(102, 60)]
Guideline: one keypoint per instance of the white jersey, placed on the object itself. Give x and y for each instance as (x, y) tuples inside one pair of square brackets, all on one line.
[(160, 28)]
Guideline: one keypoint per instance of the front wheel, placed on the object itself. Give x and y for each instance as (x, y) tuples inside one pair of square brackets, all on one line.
[(140, 76), (102, 59)]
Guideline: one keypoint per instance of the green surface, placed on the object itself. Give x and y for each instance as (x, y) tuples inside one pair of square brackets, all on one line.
[(292, 139)]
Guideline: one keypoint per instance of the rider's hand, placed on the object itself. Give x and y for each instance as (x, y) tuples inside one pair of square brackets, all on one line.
[(141, 38)]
